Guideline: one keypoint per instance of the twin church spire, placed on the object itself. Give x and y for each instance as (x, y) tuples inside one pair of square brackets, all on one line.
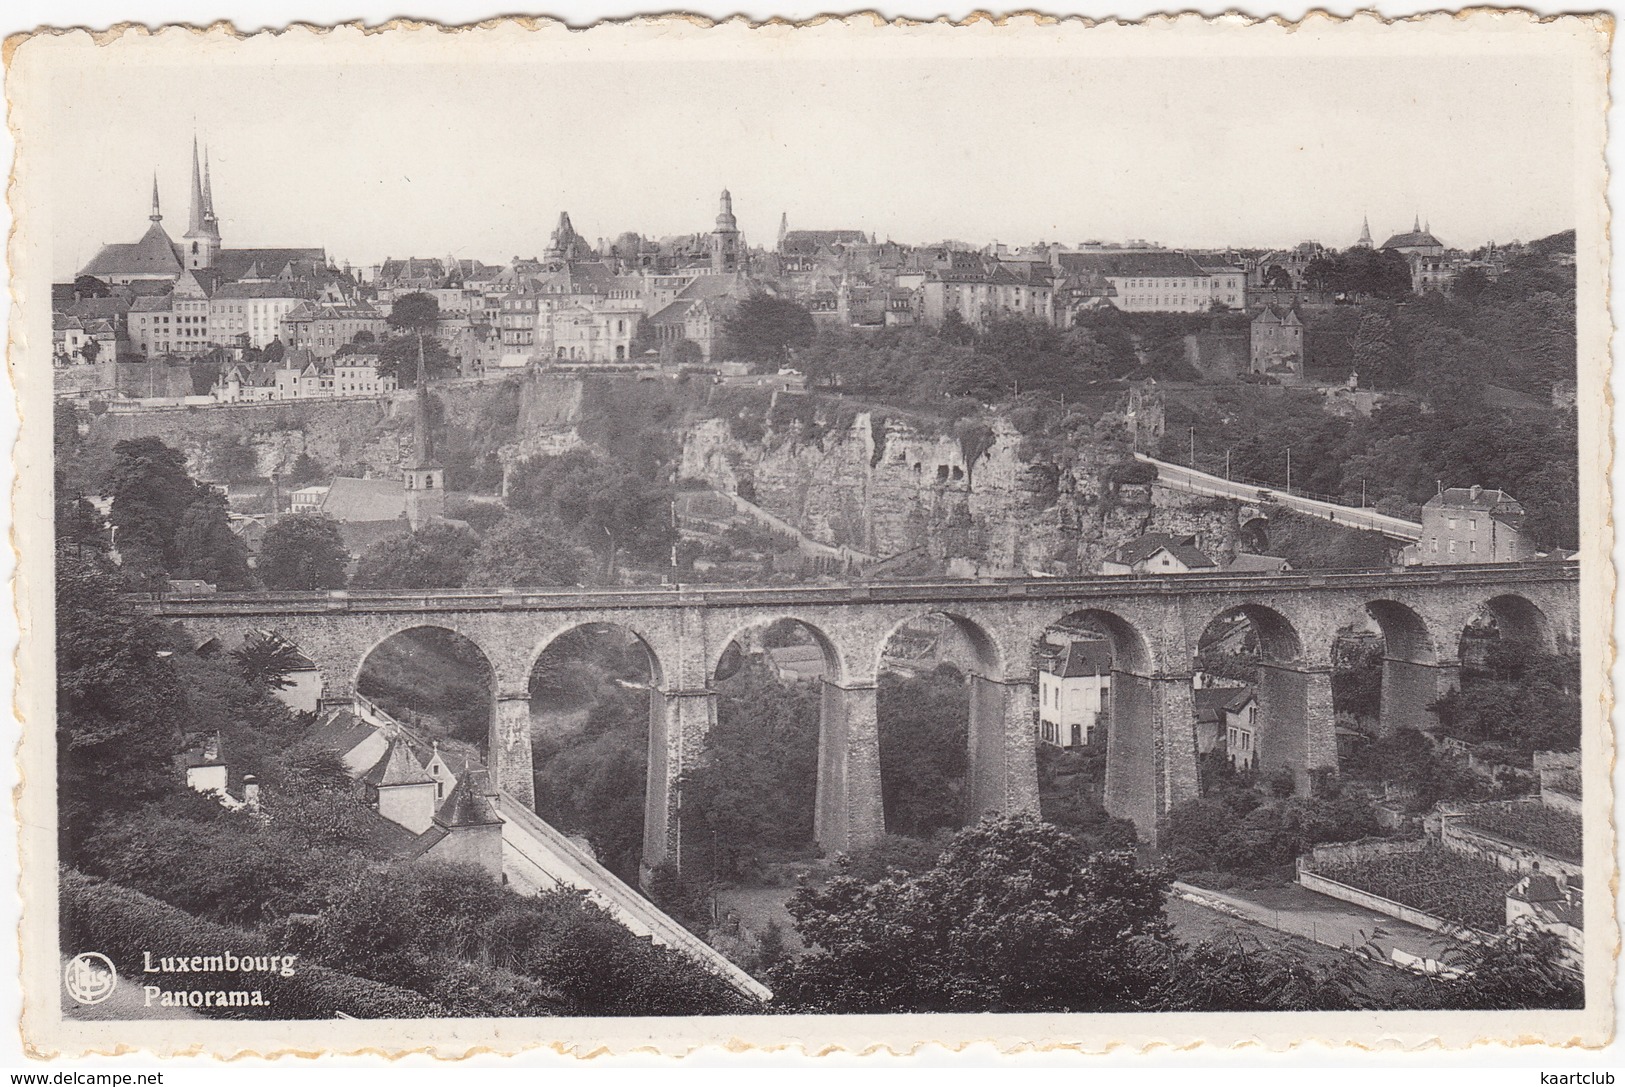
[(201, 242)]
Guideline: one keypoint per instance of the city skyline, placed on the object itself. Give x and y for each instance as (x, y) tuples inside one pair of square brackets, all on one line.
[(503, 151)]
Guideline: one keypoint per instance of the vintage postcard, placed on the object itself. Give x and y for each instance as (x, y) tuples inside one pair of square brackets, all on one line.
[(835, 536)]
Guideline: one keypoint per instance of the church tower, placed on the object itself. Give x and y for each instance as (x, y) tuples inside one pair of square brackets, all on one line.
[(201, 242), (725, 239), (1365, 241), (424, 478)]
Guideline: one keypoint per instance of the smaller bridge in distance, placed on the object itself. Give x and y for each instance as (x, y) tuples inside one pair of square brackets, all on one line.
[(1180, 478)]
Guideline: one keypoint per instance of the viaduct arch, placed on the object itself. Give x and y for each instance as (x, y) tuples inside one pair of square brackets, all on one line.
[(1154, 626)]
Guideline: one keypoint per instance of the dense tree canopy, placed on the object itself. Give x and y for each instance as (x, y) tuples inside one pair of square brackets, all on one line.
[(610, 507), (116, 699), (303, 551), (398, 358), (923, 751), (207, 549), (150, 491), (435, 556), (754, 790), (765, 330), (520, 550), (1370, 273), (1013, 917)]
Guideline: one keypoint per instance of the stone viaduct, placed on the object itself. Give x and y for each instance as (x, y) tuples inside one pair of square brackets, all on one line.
[(1153, 623)]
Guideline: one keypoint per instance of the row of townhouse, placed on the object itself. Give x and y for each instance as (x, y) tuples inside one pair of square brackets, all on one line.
[(302, 376), (889, 284)]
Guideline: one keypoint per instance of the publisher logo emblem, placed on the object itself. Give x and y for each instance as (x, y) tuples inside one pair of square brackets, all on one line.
[(90, 977)]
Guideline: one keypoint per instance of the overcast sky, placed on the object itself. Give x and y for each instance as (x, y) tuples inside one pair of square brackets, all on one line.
[(398, 159)]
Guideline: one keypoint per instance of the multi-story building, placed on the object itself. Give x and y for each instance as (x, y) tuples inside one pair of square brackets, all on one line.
[(1416, 242), (980, 288), (1074, 689), (1285, 269), (324, 328), (357, 375), (249, 314), (1156, 280), (595, 332), (1470, 525), (1241, 729)]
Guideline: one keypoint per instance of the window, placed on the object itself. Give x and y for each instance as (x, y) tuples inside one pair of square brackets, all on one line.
[(1452, 522), (1452, 547), (1472, 546)]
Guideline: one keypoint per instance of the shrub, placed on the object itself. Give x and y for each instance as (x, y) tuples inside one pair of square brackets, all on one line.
[(123, 924)]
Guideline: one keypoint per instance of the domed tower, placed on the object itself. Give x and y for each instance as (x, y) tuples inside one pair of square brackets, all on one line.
[(725, 245)]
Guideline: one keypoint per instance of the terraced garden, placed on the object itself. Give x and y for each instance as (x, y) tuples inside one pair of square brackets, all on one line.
[(1553, 832), (1447, 885)]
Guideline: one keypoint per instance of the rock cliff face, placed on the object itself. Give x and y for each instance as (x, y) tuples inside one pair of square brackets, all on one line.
[(965, 507), (362, 436)]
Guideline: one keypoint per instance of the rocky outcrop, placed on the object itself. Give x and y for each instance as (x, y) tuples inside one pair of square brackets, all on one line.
[(359, 437), (967, 498)]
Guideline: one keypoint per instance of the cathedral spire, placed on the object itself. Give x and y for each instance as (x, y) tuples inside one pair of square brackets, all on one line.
[(208, 191), (422, 436), (1416, 224), (194, 224), (156, 216)]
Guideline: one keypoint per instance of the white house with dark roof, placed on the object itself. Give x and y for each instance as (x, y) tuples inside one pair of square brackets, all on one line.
[(1074, 689), (1157, 553)]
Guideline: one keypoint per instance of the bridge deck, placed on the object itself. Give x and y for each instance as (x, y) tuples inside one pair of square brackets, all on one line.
[(887, 592)]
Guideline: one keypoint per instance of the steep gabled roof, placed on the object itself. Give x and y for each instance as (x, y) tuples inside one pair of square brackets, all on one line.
[(1412, 239), (398, 766), (469, 805), (1082, 657), (1182, 548), (1537, 887), (154, 254), (264, 289), (341, 731), (351, 499), (1263, 564)]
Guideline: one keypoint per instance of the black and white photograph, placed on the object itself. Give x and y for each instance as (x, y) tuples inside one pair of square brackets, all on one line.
[(662, 532)]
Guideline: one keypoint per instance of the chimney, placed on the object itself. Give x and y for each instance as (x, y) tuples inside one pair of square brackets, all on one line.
[(251, 792), (1474, 491)]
